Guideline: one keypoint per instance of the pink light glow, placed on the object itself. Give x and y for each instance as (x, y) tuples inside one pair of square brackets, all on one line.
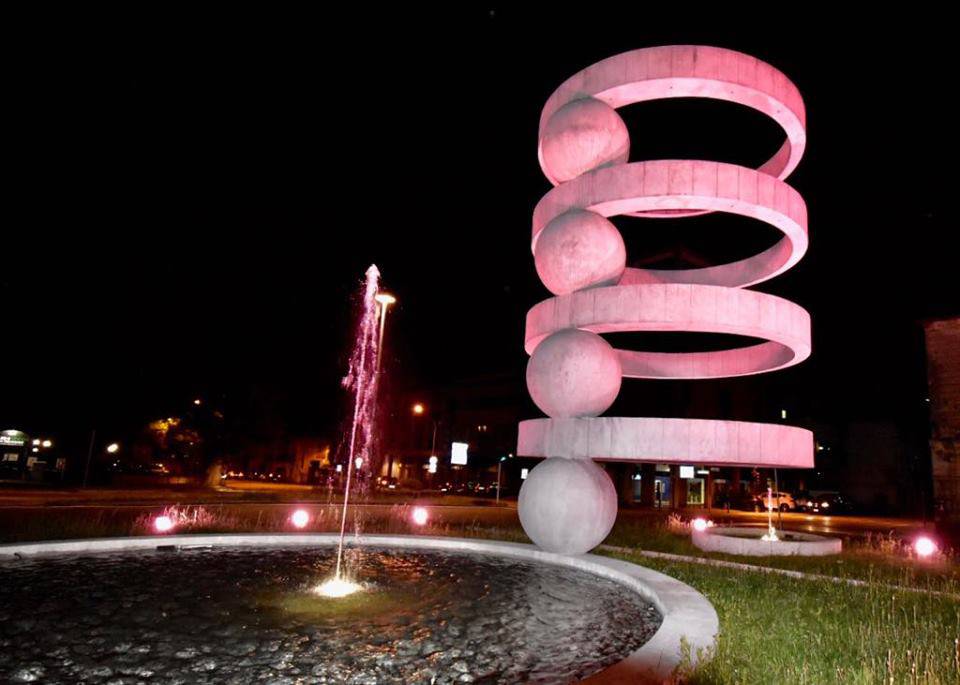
[(300, 518), (420, 516), (700, 524), (162, 524), (924, 547)]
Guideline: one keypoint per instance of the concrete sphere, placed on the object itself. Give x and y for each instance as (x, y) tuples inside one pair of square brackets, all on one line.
[(574, 373), (581, 136), (567, 506), (579, 249)]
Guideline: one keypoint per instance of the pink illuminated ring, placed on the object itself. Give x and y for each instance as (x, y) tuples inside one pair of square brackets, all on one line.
[(677, 71), (675, 184), (688, 308), (692, 441)]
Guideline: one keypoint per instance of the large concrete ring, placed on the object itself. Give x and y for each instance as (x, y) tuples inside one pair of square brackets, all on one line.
[(692, 71), (702, 442), (689, 184), (687, 634), (746, 542), (689, 308)]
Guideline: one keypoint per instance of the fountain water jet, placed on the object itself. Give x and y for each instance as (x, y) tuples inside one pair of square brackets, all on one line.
[(362, 379)]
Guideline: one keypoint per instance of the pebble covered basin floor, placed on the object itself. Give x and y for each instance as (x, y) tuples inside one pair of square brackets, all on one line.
[(232, 615)]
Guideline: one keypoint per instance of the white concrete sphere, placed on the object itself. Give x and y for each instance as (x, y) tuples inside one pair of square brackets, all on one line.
[(574, 373), (581, 136), (579, 249), (567, 506)]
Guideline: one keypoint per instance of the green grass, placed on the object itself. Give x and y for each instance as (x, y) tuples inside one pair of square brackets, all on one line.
[(776, 629)]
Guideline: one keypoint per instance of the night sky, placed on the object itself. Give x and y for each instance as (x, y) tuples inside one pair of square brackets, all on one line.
[(193, 204)]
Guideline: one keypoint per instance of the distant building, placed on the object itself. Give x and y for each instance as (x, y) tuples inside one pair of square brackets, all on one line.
[(943, 377), (14, 448), (875, 467), (479, 412), (29, 458)]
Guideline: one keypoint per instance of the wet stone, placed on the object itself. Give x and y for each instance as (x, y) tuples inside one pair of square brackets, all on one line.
[(29, 674), (247, 616)]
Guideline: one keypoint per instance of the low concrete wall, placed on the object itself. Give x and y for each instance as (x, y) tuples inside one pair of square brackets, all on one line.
[(687, 615), (747, 542)]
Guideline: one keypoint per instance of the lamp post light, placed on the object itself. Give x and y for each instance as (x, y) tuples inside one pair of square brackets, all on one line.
[(384, 300), (419, 409), (86, 469), (499, 464)]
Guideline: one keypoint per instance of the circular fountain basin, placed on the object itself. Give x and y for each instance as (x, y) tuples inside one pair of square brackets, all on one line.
[(747, 542), (234, 608)]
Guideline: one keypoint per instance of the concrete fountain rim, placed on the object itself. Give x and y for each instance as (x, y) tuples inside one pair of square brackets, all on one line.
[(687, 635), (745, 541)]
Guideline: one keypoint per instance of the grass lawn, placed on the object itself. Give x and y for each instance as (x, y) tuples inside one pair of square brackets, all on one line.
[(881, 558), (774, 629)]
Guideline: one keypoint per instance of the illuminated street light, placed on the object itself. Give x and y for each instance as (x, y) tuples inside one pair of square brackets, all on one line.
[(420, 410), (36, 443), (197, 401), (47, 443), (113, 447), (358, 462), (385, 300)]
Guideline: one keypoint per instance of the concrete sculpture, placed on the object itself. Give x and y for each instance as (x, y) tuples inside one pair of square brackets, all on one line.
[(574, 374)]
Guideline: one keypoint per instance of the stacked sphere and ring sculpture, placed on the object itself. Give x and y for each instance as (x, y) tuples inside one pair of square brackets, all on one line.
[(568, 503)]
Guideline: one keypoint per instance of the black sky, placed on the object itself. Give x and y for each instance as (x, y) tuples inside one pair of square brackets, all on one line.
[(193, 202)]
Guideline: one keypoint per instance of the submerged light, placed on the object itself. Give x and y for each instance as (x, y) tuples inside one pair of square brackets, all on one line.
[(420, 516), (924, 546), (300, 518), (336, 587)]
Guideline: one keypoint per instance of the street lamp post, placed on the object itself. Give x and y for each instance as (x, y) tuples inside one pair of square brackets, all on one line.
[(385, 300), (419, 410), (499, 464), (86, 469)]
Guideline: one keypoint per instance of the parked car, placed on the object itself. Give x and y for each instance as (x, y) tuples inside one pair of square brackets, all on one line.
[(779, 500), (742, 501), (824, 502)]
